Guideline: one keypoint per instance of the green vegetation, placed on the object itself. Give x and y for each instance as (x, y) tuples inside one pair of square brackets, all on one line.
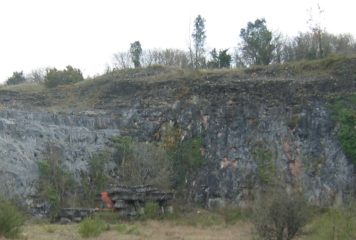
[(187, 159), (16, 78), (220, 60), (55, 182), (197, 57), (128, 229), (333, 224), (109, 217), (151, 210), (11, 220), (136, 52), (266, 169), (280, 216), (257, 47), (189, 154), (344, 113), (95, 180), (92, 227), (142, 163), (56, 77), (293, 122), (226, 216)]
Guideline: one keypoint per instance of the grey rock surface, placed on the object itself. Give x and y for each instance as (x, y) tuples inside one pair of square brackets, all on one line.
[(254, 133), (25, 137)]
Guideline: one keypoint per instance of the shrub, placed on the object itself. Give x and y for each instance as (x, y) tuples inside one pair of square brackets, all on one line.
[(16, 78), (56, 77), (55, 182), (344, 114), (91, 227), (280, 216), (96, 178), (142, 163), (151, 210), (266, 167), (187, 160), (11, 220)]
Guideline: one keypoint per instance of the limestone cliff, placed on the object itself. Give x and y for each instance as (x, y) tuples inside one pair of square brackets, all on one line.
[(259, 126)]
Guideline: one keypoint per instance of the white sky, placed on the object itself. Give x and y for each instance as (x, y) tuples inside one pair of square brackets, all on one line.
[(86, 33)]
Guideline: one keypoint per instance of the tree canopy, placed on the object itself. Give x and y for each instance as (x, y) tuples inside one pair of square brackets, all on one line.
[(199, 37), (257, 47), (16, 78), (219, 60), (56, 77), (136, 52)]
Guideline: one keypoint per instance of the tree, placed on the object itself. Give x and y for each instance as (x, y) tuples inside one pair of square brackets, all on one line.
[(221, 60), (36, 76), (199, 42), (16, 78), (142, 163), (257, 47), (56, 77), (55, 182), (280, 216), (166, 57), (122, 60), (306, 46), (224, 59), (214, 62), (136, 52), (96, 178), (317, 30)]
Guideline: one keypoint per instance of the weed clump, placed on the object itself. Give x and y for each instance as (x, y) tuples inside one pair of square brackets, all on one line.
[(92, 227), (11, 220)]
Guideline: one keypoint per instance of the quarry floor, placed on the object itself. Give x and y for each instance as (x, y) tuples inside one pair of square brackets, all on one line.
[(142, 230)]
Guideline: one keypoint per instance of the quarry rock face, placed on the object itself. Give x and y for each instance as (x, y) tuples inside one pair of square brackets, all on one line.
[(254, 134), (25, 138)]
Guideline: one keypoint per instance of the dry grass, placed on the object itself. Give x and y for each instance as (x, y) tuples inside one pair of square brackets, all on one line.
[(143, 230)]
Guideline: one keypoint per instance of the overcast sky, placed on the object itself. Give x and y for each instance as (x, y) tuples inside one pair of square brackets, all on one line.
[(86, 33)]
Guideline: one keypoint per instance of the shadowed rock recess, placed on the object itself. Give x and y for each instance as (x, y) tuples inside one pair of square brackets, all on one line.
[(259, 129)]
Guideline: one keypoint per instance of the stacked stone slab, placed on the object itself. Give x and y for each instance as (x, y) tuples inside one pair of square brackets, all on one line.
[(129, 201), (67, 215)]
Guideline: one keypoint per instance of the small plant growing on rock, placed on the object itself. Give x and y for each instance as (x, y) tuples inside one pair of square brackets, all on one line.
[(55, 182)]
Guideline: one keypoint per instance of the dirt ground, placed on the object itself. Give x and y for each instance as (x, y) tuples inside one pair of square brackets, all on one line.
[(143, 230)]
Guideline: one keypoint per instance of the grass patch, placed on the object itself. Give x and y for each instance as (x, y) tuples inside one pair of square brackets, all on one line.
[(109, 217), (92, 227), (49, 228), (151, 210), (128, 229), (233, 215), (11, 220), (203, 218), (333, 224)]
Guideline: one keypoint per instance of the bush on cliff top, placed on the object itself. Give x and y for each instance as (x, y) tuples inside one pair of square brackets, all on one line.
[(56, 77)]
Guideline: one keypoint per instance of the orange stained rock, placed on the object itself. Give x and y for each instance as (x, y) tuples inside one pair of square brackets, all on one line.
[(106, 199)]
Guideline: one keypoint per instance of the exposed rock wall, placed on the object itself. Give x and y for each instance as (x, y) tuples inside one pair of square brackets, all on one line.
[(254, 134), (26, 136)]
